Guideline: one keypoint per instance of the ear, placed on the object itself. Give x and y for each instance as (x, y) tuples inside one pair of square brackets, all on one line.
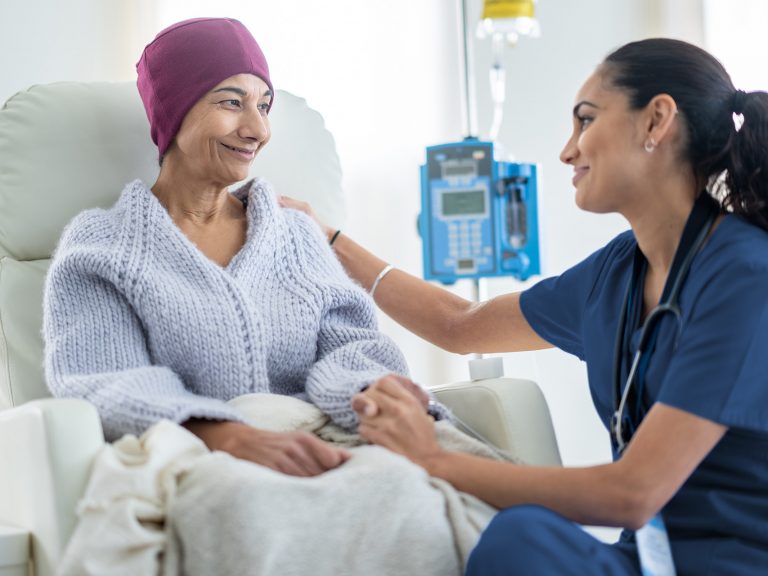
[(659, 118)]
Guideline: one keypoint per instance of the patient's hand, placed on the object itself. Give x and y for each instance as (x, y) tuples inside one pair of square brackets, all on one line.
[(294, 453), (392, 416), (288, 202), (417, 391)]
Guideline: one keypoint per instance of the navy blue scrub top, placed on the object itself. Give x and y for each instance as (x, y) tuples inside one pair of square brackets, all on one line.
[(717, 369)]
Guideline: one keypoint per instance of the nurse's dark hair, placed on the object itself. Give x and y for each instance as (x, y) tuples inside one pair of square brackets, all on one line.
[(731, 163)]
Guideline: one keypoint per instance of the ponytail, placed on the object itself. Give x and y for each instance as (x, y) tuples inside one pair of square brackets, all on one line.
[(746, 170)]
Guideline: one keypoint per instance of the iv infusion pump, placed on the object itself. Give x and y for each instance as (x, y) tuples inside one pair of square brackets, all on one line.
[(478, 215)]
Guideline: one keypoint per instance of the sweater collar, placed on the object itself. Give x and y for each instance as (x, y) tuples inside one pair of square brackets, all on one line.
[(266, 223)]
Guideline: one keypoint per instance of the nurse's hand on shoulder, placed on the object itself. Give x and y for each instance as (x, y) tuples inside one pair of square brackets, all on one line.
[(392, 416), (288, 202), (294, 453)]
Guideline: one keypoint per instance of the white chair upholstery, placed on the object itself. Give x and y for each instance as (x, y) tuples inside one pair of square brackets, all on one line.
[(69, 146), (511, 413)]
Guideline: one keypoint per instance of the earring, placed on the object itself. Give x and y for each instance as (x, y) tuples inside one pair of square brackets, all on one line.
[(650, 145)]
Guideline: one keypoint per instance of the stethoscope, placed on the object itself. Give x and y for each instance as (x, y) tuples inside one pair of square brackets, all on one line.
[(697, 227)]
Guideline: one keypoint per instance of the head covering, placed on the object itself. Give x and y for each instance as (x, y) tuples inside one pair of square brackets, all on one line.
[(185, 61)]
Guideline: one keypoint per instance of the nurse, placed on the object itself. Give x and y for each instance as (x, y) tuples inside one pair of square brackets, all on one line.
[(671, 318)]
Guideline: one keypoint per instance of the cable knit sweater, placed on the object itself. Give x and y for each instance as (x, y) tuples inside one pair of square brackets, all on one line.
[(142, 324)]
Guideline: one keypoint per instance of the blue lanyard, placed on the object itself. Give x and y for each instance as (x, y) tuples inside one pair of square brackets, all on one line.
[(623, 421)]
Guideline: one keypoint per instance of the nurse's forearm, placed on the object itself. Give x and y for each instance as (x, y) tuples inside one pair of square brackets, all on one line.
[(437, 315), (596, 495), (666, 449), (423, 308)]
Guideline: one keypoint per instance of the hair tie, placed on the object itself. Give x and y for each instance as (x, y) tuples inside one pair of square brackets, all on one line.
[(738, 100)]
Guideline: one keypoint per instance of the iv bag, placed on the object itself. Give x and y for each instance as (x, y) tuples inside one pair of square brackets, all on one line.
[(509, 18), (508, 9)]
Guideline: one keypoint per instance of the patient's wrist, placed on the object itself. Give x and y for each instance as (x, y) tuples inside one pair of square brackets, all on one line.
[(216, 434)]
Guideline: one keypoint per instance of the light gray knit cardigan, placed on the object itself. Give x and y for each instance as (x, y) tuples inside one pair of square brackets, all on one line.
[(143, 325)]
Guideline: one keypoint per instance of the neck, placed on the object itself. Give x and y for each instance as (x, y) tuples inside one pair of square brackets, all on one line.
[(190, 199), (659, 225)]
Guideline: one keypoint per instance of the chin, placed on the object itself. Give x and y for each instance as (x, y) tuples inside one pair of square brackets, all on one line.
[(235, 176), (580, 200), (590, 202)]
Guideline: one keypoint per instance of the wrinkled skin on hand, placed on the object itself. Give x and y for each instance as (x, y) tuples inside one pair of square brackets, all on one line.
[(294, 453)]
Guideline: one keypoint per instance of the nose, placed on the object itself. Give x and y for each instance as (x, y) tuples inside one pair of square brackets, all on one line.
[(570, 151), (256, 127)]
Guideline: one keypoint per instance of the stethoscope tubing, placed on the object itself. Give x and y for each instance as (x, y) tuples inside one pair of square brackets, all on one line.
[(668, 306)]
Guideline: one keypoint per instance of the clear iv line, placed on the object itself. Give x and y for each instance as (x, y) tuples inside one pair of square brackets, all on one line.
[(498, 83)]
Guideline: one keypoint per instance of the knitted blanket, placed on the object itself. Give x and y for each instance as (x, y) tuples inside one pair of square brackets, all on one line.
[(138, 321), (164, 504)]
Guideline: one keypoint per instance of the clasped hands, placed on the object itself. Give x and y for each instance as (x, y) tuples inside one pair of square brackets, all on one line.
[(392, 413)]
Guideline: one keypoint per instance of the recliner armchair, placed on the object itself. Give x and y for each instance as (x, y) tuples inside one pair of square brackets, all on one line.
[(70, 146)]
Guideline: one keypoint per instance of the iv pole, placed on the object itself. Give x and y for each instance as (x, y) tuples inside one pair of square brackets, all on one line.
[(469, 112), (523, 22), (468, 97)]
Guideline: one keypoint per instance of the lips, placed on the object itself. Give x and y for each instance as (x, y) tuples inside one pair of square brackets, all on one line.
[(578, 173), (244, 153)]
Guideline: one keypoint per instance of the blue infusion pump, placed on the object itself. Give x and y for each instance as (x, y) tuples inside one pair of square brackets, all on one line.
[(478, 215)]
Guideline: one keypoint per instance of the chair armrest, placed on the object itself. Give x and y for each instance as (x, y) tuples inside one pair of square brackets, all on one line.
[(511, 413), (14, 551), (47, 448)]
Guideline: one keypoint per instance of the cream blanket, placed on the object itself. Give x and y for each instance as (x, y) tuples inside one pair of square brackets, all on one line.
[(165, 504)]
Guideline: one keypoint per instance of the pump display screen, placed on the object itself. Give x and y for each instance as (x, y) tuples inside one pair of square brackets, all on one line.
[(466, 168), (459, 203)]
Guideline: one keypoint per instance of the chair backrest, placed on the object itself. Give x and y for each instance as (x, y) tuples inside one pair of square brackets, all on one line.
[(66, 147)]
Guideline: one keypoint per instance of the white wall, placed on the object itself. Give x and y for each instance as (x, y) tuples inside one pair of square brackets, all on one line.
[(385, 75), (735, 33), (47, 41)]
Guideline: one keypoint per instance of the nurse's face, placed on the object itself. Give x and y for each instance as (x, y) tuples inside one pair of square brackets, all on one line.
[(605, 148), (222, 133)]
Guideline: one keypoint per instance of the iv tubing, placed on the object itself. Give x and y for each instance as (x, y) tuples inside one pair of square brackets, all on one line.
[(469, 112), (498, 86)]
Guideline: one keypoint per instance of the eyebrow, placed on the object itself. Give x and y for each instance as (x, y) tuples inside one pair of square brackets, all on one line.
[(583, 103), (240, 91)]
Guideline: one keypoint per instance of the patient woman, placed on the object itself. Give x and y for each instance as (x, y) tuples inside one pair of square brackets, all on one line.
[(183, 295)]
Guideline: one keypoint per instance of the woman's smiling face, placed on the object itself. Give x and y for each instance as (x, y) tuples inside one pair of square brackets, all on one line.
[(604, 148), (222, 133)]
